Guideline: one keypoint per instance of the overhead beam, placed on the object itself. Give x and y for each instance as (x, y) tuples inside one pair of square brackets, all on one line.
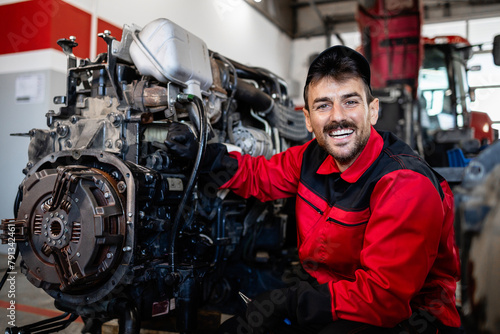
[(299, 18), (279, 12)]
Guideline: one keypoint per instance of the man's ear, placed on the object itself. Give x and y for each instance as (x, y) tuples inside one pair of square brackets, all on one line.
[(373, 110), (308, 119)]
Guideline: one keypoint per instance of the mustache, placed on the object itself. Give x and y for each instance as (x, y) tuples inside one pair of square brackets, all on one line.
[(339, 125)]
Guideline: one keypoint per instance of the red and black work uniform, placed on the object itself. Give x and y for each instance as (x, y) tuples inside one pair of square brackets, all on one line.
[(379, 235)]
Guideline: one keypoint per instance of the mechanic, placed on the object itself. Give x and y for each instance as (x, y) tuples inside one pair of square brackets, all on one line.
[(374, 221)]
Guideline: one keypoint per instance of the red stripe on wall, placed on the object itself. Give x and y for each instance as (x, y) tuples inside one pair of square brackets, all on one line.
[(70, 21), (25, 26), (38, 24)]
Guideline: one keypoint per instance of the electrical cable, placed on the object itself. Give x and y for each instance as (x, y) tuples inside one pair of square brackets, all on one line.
[(189, 98)]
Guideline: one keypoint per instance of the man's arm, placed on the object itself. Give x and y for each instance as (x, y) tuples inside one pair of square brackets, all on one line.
[(245, 175), (265, 179)]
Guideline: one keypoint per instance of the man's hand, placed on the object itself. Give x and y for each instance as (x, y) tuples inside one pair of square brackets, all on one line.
[(216, 166), (181, 141)]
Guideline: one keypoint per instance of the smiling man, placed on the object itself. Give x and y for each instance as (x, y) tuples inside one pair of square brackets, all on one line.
[(374, 221), (340, 116)]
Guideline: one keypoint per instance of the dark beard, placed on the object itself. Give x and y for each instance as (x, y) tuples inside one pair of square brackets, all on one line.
[(359, 144)]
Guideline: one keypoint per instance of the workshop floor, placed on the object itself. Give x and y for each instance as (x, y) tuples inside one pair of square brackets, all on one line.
[(33, 305)]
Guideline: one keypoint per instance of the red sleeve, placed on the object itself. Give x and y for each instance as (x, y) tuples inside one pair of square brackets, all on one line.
[(400, 246), (267, 179)]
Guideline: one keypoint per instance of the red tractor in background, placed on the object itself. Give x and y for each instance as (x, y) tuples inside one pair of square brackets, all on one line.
[(425, 99), (422, 83)]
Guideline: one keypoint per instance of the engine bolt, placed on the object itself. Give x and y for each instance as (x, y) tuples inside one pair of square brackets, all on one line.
[(130, 214), (121, 186), (64, 237), (109, 255), (78, 254), (62, 131), (106, 195), (127, 249), (45, 234), (57, 214), (59, 242)]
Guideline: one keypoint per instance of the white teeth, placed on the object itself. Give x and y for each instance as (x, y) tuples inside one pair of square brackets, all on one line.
[(341, 133)]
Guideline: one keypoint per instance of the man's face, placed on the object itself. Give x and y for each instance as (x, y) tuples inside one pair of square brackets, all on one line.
[(340, 118)]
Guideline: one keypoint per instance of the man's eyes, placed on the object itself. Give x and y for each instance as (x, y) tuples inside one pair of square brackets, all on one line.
[(328, 106), (322, 106)]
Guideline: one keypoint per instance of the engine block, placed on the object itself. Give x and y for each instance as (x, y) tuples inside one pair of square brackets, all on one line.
[(111, 224)]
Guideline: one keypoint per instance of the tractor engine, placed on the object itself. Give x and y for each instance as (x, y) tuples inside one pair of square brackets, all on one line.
[(111, 224)]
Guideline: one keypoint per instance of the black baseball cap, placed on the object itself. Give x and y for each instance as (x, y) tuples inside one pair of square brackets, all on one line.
[(337, 52)]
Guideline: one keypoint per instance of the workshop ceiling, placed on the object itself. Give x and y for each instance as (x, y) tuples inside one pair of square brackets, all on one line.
[(308, 18)]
